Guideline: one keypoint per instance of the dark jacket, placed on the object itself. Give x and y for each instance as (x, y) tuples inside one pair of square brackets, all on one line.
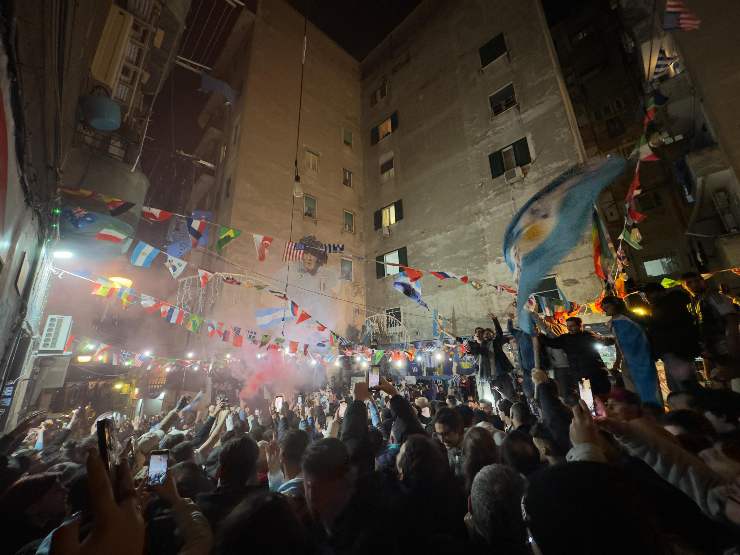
[(671, 327), (492, 361), (405, 421), (580, 348), (555, 415), (217, 505)]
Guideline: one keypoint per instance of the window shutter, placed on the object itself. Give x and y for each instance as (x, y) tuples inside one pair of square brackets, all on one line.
[(496, 160), (374, 136), (399, 209), (394, 121), (379, 268), (521, 152), (378, 219), (402, 257)]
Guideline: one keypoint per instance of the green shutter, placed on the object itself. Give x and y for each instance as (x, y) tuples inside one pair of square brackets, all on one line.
[(521, 152), (399, 210), (403, 259), (379, 268), (496, 160), (378, 219), (374, 136)]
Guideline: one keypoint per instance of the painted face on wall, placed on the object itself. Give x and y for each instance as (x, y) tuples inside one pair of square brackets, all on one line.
[(310, 263)]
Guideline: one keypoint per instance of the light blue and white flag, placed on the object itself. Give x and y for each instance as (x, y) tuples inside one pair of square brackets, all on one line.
[(552, 222), (412, 289), (269, 317), (143, 254)]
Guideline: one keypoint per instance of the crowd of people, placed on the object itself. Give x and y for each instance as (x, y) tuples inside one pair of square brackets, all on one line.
[(511, 465)]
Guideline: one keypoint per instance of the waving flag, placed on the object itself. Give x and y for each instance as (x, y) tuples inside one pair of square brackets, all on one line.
[(261, 243), (175, 265), (150, 304), (110, 235), (225, 236), (412, 273), (268, 317), (678, 17), (294, 308), (412, 289), (293, 252), (196, 229), (116, 206), (443, 275), (143, 254), (103, 289), (194, 322), (303, 317), (237, 337), (155, 214), (551, 223), (204, 276), (663, 63), (175, 315), (214, 328)]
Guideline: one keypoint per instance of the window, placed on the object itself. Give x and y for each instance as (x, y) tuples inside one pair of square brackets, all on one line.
[(346, 177), (379, 94), (388, 264), (309, 207), (661, 266), (345, 269), (388, 215), (492, 50), (502, 99), (349, 221), (385, 128), (312, 161), (387, 170), (347, 137), (615, 127), (395, 313), (510, 157)]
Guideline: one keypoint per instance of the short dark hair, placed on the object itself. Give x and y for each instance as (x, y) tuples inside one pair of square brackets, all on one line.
[(519, 452), (293, 444), (575, 319), (238, 460), (326, 458), (450, 418), (182, 452), (424, 462), (504, 405), (612, 300), (466, 413)]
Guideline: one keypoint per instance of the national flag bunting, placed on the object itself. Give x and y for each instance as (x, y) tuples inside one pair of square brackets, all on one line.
[(265, 339), (293, 252), (293, 347), (111, 235), (103, 289), (116, 206), (678, 17), (79, 193), (294, 308), (320, 326), (225, 236), (412, 273), (175, 265), (175, 315), (663, 63), (143, 254), (630, 240), (443, 275), (261, 244), (596, 241), (231, 280), (237, 337), (196, 228), (149, 303), (412, 289), (155, 214), (643, 151), (303, 317), (204, 276), (194, 322), (124, 295)]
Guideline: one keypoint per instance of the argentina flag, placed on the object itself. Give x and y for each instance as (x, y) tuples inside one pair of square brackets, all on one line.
[(551, 223)]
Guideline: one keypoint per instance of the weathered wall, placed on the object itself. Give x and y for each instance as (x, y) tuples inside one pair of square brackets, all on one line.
[(455, 214)]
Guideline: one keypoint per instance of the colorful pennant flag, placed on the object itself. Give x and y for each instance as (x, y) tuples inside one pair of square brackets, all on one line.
[(143, 254), (79, 193), (320, 326), (237, 338), (378, 356), (293, 252), (116, 206), (293, 347), (155, 214), (204, 276), (261, 244), (411, 289), (215, 328), (663, 63), (103, 289), (124, 295), (150, 304), (175, 315), (294, 308), (225, 236), (678, 17), (643, 151), (175, 265), (194, 323), (265, 339), (226, 335), (196, 228), (303, 317), (443, 275), (412, 274), (231, 280), (111, 235), (596, 240)]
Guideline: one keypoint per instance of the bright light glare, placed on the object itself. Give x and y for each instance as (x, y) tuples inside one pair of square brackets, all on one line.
[(168, 369), (313, 362), (122, 281), (419, 359), (640, 311), (438, 356), (398, 363), (358, 358), (84, 358), (118, 385), (365, 364), (337, 363), (63, 255), (190, 354), (147, 353), (228, 356), (196, 367)]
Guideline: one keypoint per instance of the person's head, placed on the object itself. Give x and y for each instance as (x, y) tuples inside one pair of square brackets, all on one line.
[(520, 414), (486, 406), (466, 413), (574, 324), (613, 306), (504, 410), (684, 421), (478, 333), (238, 461), (190, 479), (314, 254), (495, 505), (561, 516), (451, 401), (448, 426), (329, 479), (182, 452), (546, 444), (488, 334), (693, 283), (680, 400), (421, 463), (292, 446), (721, 407), (519, 452), (41, 498), (479, 450), (266, 523), (623, 405)]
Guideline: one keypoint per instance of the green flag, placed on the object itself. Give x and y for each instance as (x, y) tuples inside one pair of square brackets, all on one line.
[(378, 356), (265, 340), (225, 236), (194, 322)]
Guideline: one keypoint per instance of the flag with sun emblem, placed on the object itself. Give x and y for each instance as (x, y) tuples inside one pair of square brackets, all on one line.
[(551, 223)]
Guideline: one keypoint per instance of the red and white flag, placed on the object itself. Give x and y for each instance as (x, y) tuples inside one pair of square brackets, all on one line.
[(204, 277), (261, 243), (293, 252), (155, 214), (111, 235)]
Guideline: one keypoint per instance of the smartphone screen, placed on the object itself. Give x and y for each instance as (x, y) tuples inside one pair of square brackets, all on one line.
[(157, 468), (373, 377), (300, 400), (279, 403), (584, 388), (229, 422), (342, 409), (106, 445)]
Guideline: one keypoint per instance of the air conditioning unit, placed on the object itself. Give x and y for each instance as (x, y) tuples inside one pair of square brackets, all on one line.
[(111, 50), (514, 174), (56, 334), (386, 231)]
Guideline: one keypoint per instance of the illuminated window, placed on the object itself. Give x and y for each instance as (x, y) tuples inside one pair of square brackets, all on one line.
[(388, 263), (384, 128), (388, 215), (345, 269)]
